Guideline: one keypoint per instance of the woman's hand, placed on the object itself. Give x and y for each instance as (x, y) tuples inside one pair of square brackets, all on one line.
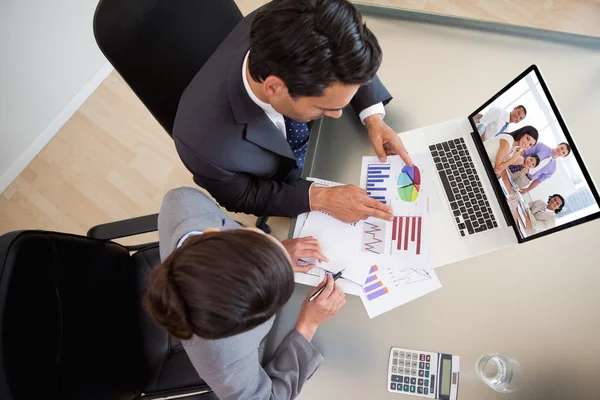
[(518, 152), (323, 307), (306, 247)]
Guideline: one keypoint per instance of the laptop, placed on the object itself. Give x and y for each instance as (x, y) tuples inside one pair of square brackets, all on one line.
[(503, 173)]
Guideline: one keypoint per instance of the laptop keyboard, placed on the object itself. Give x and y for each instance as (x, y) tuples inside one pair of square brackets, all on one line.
[(464, 191)]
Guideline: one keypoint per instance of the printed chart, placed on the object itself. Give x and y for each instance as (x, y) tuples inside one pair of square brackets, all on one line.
[(373, 237), (396, 184), (389, 285), (374, 287), (410, 276), (409, 183), (407, 233), (378, 177)]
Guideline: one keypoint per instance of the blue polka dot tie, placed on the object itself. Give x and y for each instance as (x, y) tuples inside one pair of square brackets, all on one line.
[(297, 137)]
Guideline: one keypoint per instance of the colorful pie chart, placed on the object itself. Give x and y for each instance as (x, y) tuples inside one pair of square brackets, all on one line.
[(409, 183)]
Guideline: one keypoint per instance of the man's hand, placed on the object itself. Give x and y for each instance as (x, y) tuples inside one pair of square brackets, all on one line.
[(348, 203), (323, 307), (306, 247), (524, 190), (385, 141)]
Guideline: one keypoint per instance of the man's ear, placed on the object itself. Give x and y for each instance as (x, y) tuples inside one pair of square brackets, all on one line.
[(274, 86)]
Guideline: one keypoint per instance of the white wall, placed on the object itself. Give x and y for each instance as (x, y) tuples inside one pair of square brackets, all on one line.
[(49, 65)]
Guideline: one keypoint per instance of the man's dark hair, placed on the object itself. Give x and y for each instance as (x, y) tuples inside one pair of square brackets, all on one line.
[(568, 147), (219, 284), (523, 108), (536, 158), (310, 44), (559, 209)]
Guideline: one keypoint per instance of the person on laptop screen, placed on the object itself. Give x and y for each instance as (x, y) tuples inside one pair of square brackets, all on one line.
[(504, 149), (547, 167), (529, 163), (497, 120), (542, 215)]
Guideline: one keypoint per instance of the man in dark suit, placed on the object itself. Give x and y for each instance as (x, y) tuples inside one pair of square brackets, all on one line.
[(241, 127)]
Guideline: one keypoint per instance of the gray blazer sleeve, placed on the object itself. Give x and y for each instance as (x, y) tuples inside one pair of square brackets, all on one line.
[(184, 210), (292, 364)]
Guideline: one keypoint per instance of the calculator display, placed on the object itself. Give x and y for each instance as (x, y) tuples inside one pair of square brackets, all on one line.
[(446, 371)]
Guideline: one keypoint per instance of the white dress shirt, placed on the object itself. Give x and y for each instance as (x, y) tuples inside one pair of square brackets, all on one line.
[(277, 118), (494, 120)]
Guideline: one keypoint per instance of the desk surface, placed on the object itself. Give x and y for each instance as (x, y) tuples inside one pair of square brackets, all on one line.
[(536, 301)]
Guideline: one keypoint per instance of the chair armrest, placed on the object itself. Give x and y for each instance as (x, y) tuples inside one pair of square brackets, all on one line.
[(124, 228)]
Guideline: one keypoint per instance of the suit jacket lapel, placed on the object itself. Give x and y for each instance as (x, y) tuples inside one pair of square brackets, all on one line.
[(259, 128)]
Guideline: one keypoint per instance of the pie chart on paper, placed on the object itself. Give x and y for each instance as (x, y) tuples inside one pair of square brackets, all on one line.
[(409, 183)]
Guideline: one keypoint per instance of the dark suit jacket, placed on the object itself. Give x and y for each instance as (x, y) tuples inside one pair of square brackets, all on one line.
[(232, 147)]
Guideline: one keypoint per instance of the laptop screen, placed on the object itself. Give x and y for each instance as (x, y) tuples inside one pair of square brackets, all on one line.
[(537, 170)]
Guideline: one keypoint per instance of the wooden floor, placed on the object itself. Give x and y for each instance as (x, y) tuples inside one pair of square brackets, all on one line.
[(112, 161)]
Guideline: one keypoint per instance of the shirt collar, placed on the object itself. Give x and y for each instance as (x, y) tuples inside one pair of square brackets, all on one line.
[(265, 106)]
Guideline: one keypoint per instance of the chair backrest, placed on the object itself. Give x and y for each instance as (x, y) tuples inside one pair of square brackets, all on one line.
[(72, 324), (158, 46), (69, 319)]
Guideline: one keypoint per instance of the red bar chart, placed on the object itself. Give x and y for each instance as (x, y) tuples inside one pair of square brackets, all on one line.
[(406, 234)]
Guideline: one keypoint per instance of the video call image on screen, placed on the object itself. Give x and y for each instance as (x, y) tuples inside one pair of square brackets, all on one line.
[(541, 180)]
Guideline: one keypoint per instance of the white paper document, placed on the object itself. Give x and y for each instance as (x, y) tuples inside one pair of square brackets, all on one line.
[(391, 284), (386, 263), (406, 190), (351, 277), (394, 183)]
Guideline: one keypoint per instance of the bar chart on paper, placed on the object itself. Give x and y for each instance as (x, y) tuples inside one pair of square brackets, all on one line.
[(407, 232), (374, 287), (378, 176)]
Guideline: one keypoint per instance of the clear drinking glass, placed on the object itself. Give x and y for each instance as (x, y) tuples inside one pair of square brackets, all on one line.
[(501, 372)]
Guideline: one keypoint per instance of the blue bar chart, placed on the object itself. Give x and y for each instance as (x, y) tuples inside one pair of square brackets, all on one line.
[(377, 179)]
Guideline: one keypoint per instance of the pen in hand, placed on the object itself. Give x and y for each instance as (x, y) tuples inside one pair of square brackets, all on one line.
[(318, 292)]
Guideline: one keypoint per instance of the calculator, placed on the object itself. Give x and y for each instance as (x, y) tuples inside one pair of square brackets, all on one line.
[(423, 373)]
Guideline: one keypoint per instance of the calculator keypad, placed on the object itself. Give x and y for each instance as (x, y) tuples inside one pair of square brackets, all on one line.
[(410, 373)]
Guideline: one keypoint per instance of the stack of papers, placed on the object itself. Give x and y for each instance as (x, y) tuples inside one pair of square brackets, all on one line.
[(386, 263)]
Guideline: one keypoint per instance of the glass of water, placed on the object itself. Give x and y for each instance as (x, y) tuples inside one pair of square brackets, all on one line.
[(501, 372)]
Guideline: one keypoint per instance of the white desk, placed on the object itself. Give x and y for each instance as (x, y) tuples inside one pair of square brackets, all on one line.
[(537, 301)]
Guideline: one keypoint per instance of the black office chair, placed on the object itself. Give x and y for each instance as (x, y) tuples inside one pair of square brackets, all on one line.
[(158, 46), (72, 324)]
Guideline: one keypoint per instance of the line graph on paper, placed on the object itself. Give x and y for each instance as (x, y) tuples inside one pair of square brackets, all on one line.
[(412, 275), (373, 237)]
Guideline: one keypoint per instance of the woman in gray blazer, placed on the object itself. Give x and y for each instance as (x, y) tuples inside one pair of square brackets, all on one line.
[(218, 289)]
